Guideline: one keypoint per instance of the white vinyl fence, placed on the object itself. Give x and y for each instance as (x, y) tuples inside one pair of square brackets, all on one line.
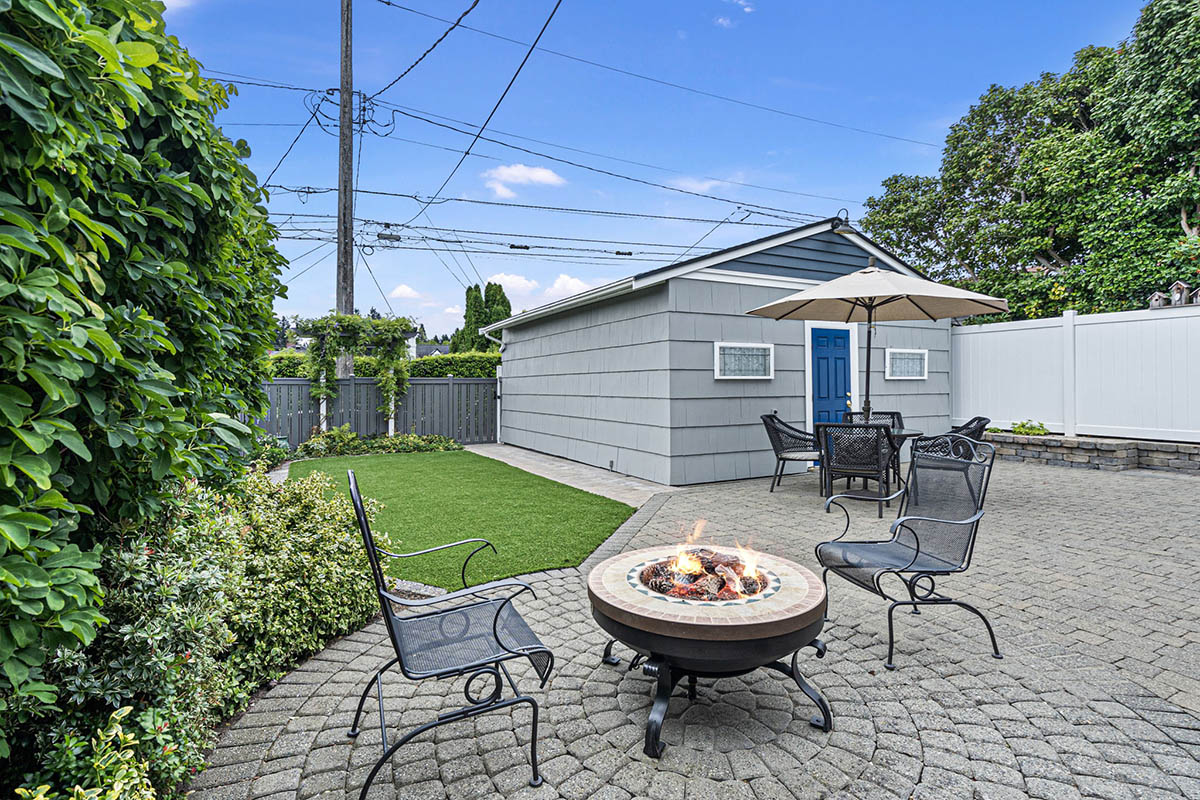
[(1133, 374)]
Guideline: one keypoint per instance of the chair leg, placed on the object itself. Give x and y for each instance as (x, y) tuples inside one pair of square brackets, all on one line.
[(775, 474), (892, 631), (363, 699), (825, 583), (978, 613), (879, 482)]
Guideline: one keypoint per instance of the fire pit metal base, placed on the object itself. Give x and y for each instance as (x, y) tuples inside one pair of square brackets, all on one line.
[(708, 640), (667, 677)]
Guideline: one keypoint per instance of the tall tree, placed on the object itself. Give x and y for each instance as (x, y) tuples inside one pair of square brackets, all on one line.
[(468, 337), (1070, 191)]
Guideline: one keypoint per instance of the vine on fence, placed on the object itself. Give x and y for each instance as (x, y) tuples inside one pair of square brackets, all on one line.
[(349, 334)]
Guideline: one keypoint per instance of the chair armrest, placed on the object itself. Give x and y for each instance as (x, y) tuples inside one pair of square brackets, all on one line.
[(861, 497), (483, 545), (472, 591), (903, 520)]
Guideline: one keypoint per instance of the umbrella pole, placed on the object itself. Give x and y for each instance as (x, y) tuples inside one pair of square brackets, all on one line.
[(867, 403)]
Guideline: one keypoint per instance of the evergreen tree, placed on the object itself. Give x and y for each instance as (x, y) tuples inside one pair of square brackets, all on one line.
[(468, 337)]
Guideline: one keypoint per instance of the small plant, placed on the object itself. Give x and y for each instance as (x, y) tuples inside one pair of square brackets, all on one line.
[(1030, 428), (108, 765), (344, 442), (268, 453)]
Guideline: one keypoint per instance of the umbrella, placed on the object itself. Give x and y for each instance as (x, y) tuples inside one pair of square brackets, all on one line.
[(874, 294)]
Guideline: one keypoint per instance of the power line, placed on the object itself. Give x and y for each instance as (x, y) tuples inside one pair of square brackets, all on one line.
[(466, 255), (672, 84), (401, 109), (710, 232), (495, 108), (428, 50), (315, 263), (479, 135), (310, 190), (371, 272), (288, 152), (416, 112)]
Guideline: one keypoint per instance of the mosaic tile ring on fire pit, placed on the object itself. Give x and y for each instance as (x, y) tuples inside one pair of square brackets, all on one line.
[(697, 638)]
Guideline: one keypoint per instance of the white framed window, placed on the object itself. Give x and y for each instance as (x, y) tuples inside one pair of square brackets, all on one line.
[(743, 361), (906, 365)]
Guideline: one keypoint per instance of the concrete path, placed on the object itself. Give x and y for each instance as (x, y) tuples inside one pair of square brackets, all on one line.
[(1089, 577), (613, 485)]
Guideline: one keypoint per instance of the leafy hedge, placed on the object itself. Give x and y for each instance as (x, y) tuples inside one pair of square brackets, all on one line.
[(460, 365), (290, 364), (345, 442), (137, 276), (221, 594)]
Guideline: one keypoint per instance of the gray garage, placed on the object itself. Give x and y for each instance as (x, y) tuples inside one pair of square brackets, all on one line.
[(662, 375)]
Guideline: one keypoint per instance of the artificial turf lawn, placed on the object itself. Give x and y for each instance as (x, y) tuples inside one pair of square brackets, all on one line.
[(437, 498)]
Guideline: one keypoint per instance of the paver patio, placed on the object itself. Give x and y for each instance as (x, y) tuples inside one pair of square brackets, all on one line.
[(1089, 578)]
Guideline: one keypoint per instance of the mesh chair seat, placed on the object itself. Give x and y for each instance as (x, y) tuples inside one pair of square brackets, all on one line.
[(800, 455), (448, 641), (859, 561)]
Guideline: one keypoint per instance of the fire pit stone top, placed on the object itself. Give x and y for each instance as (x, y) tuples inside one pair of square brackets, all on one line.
[(792, 598)]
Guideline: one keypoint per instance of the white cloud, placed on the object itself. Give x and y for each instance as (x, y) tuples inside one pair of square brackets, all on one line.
[(500, 177), (404, 292), (695, 184), (452, 310), (724, 22), (565, 286), (500, 190), (514, 284), (745, 5)]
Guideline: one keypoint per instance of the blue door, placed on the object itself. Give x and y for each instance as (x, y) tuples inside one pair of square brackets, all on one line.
[(830, 365)]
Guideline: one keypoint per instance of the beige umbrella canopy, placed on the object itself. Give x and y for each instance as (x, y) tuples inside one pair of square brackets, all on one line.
[(871, 295)]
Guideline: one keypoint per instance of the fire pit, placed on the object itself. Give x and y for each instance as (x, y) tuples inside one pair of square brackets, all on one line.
[(708, 612)]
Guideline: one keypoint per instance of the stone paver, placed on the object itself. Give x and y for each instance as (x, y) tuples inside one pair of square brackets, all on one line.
[(1089, 578), (613, 485)]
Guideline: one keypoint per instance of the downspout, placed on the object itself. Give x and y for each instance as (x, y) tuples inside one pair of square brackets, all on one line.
[(499, 373)]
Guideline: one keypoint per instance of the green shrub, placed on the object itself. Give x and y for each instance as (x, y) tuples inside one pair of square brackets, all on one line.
[(288, 364), (1030, 428), (268, 453), (344, 442), (460, 365), (108, 765), (169, 589), (221, 594), (306, 578), (137, 276)]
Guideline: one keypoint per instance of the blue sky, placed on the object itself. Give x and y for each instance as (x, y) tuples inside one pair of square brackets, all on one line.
[(903, 69)]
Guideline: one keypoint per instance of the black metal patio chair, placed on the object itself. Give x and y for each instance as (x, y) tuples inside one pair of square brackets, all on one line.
[(791, 445), (470, 632), (893, 419), (933, 535), (972, 428), (858, 451)]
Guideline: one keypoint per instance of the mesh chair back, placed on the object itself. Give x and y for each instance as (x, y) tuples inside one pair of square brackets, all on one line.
[(893, 419), (377, 574), (972, 428), (858, 448), (947, 480), (784, 438)]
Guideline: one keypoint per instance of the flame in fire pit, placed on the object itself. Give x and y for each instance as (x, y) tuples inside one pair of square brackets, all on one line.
[(701, 573)]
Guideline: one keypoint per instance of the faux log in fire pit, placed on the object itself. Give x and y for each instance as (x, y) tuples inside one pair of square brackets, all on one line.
[(708, 612)]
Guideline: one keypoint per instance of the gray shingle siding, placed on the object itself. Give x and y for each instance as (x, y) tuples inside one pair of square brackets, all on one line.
[(592, 385), (820, 257), (924, 404)]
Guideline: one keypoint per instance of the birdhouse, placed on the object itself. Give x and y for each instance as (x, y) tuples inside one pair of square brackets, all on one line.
[(1196, 298), (1180, 293), (1159, 300)]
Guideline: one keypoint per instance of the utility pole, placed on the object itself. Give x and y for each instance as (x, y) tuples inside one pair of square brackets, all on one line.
[(345, 244)]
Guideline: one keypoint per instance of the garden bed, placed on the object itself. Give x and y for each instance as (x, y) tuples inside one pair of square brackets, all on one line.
[(1094, 452)]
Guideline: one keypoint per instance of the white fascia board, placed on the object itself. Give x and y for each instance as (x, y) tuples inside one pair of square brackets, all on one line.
[(750, 279), (732, 255), (614, 289)]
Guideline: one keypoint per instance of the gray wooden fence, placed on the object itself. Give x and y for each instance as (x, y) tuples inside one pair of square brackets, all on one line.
[(461, 408)]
